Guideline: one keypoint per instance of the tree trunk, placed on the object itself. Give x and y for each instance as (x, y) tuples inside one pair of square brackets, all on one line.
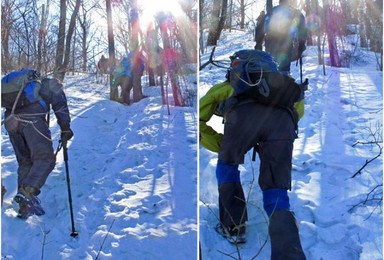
[(60, 39), (111, 48), (214, 33), (331, 33), (170, 62), (42, 32), (44, 47), (74, 53), (6, 27), (71, 29), (269, 5), (308, 11), (242, 13), (230, 15), (218, 23), (84, 50), (368, 26), (201, 29), (319, 31), (84, 26), (223, 16), (363, 38), (137, 61), (63, 55)]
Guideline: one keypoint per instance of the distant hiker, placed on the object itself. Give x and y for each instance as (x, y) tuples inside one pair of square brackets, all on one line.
[(122, 78), (27, 98), (285, 34), (259, 31), (103, 65), (261, 108)]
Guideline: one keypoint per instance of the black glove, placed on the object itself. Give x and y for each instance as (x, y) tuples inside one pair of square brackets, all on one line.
[(66, 132), (301, 48)]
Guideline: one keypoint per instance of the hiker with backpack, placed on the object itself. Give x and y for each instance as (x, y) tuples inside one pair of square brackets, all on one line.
[(259, 31), (27, 98), (261, 107), (285, 34), (122, 78)]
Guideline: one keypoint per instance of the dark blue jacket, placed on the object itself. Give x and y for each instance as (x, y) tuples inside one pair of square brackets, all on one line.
[(53, 95)]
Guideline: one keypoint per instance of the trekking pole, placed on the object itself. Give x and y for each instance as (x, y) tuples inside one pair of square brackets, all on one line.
[(301, 69), (65, 151)]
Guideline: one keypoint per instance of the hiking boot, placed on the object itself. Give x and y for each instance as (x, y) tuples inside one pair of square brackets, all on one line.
[(235, 234), (28, 202)]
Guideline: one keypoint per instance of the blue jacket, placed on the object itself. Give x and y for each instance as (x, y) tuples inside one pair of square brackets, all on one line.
[(53, 95), (124, 68)]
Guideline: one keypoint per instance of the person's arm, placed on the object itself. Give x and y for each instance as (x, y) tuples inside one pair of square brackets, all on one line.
[(58, 100), (209, 138), (302, 34)]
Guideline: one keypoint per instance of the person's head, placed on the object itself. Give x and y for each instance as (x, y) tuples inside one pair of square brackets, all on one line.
[(262, 13)]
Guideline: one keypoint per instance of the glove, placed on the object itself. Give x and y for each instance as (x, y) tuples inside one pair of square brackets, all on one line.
[(302, 48), (66, 132)]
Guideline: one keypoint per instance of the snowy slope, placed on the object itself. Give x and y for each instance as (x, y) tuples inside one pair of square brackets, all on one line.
[(133, 172), (342, 108)]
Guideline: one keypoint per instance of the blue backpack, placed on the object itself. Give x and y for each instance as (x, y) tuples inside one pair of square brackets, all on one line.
[(254, 74), (20, 88)]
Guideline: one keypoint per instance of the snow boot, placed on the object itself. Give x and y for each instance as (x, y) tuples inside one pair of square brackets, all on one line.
[(28, 202), (234, 234), (284, 233)]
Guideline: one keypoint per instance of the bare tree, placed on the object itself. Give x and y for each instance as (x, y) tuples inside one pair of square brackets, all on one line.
[(137, 58), (331, 28), (242, 14), (64, 41), (170, 56), (362, 31), (6, 28), (218, 18), (269, 6), (111, 45), (42, 35), (84, 19)]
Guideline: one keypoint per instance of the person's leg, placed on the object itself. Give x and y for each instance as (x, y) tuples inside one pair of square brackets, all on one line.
[(38, 140), (34, 154), (241, 131), (23, 157), (275, 180), (126, 89), (232, 204), (114, 94)]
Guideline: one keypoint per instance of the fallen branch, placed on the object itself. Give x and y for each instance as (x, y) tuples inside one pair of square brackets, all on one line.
[(371, 197), (367, 162), (210, 59), (377, 140)]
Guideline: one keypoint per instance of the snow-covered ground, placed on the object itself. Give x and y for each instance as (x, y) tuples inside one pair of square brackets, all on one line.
[(133, 176), (343, 111)]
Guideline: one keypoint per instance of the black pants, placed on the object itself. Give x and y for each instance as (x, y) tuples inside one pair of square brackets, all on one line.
[(32, 144), (247, 125)]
